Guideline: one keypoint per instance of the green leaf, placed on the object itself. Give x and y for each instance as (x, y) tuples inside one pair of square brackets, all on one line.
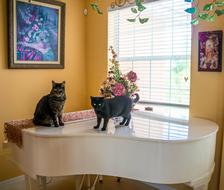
[(141, 8), (208, 7), (139, 5), (134, 10), (99, 11), (203, 16), (131, 19), (96, 8), (211, 18), (219, 3), (93, 5), (219, 12), (191, 10), (207, 17), (143, 20), (195, 21)]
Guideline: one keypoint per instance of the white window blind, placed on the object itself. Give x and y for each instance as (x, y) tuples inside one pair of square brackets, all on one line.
[(159, 51)]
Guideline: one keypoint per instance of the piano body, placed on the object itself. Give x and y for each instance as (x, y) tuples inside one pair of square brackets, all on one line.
[(149, 150)]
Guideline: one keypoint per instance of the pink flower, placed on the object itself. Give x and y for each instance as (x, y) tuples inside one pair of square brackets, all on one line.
[(118, 89), (132, 76), (35, 27)]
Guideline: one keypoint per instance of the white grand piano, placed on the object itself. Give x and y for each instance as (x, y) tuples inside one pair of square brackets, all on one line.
[(149, 150)]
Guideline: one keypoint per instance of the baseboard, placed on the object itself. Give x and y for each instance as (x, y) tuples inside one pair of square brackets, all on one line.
[(11, 181)]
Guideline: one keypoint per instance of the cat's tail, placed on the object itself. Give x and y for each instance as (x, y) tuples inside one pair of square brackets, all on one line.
[(137, 97)]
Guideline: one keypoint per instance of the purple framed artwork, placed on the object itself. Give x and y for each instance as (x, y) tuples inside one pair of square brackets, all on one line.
[(210, 51), (36, 34)]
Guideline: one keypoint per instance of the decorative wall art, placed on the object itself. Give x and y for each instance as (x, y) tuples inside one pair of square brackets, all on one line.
[(210, 51), (36, 34)]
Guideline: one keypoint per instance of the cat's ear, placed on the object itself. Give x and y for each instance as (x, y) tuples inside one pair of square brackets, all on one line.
[(53, 83), (63, 84)]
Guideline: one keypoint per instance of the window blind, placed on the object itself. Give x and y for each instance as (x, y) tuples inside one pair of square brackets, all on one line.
[(159, 51)]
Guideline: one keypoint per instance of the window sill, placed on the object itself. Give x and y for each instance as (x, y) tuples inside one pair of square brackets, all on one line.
[(164, 113)]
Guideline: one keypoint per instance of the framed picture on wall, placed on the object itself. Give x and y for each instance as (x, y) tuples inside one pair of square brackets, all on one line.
[(210, 51), (36, 34)]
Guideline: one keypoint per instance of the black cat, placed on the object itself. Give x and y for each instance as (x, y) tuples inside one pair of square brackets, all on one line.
[(114, 107), (50, 107)]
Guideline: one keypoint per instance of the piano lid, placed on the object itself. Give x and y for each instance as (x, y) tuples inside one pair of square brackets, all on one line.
[(140, 128)]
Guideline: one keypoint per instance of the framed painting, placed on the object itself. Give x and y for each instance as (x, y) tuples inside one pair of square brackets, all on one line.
[(36, 34), (210, 51)]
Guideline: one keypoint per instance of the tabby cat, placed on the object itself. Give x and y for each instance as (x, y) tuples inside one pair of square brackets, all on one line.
[(114, 107), (50, 107)]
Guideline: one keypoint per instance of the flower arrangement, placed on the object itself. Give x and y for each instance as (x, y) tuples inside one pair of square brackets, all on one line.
[(116, 83)]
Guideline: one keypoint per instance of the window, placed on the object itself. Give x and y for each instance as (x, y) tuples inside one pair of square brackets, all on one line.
[(159, 51)]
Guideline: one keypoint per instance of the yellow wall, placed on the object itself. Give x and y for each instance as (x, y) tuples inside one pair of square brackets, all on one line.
[(96, 52), (207, 89), (207, 92), (21, 89), (86, 63)]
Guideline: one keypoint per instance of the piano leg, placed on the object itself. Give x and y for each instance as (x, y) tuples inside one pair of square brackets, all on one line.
[(88, 182), (202, 187), (79, 180), (94, 183), (43, 182), (202, 183), (28, 182)]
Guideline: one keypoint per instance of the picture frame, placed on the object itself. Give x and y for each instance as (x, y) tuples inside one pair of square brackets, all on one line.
[(36, 34), (210, 51)]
